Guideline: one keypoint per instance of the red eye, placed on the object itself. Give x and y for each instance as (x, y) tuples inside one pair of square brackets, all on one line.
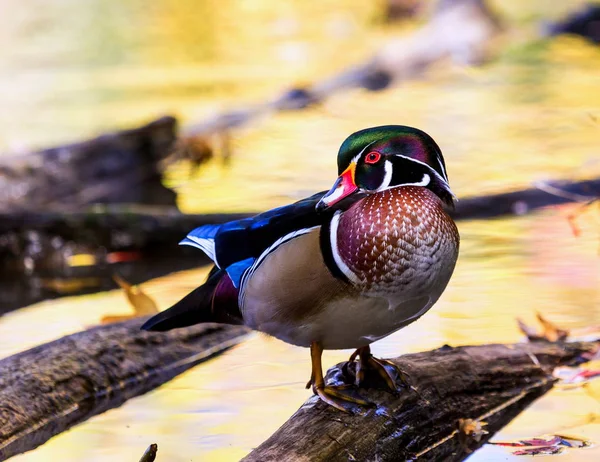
[(373, 157)]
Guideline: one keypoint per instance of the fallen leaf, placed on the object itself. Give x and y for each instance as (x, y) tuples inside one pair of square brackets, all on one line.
[(81, 259), (111, 319), (542, 450), (472, 428), (529, 331), (470, 431), (550, 332), (546, 444), (119, 257), (142, 304)]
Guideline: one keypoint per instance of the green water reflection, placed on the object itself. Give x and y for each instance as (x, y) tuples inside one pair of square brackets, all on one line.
[(75, 68)]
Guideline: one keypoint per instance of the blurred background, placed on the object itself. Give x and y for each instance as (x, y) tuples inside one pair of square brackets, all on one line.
[(264, 93)]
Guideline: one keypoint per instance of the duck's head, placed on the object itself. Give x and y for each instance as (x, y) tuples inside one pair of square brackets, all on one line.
[(380, 158)]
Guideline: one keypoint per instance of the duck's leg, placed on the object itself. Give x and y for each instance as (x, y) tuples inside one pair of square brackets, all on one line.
[(367, 361), (329, 394)]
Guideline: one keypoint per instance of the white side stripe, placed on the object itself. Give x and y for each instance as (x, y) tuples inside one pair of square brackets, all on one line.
[(335, 221)]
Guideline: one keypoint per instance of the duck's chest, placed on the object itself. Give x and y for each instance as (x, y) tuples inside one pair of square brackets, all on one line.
[(398, 241)]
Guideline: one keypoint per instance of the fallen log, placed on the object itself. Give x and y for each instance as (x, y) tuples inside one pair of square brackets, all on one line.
[(48, 389), (490, 383), (120, 167), (583, 22), (525, 200), (461, 30), (41, 245), (116, 227), (37, 250)]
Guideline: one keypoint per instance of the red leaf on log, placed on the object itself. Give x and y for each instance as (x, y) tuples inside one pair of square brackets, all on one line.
[(547, 444)]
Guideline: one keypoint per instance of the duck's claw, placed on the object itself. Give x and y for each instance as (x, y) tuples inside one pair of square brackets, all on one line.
[(402, 376), (382, 366), (336, 396), (378, 366)]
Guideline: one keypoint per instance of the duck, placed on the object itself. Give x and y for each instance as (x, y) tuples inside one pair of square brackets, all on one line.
[(340, 269)]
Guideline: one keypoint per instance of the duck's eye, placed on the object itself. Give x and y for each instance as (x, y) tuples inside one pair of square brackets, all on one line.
[(372, 158)]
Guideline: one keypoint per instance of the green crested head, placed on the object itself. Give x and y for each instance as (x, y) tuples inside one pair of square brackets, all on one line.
[(389, 156)]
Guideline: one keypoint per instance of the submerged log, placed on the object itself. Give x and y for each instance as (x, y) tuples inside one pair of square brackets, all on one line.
[(120, 167), (488, 383), (41, 245), (461, 30), (139, 227), (584, 22), (525, 200), (139, 243), (48, 389)]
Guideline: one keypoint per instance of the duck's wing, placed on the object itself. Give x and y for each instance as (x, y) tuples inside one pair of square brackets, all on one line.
[(236, 245), (237, 248)]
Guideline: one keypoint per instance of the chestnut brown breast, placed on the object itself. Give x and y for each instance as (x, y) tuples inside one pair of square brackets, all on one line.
[(399, 240)]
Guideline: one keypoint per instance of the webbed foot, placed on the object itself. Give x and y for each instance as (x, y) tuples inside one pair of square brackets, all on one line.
[(337, 396)]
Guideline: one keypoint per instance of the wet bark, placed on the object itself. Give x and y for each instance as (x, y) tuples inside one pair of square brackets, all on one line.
[(119, 167), (490, 383), (46, 390)]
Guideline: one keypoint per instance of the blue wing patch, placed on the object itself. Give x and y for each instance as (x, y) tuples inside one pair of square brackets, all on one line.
[(237, 270)]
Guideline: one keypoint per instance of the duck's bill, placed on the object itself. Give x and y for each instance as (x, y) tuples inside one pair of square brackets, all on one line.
[(344, 187)]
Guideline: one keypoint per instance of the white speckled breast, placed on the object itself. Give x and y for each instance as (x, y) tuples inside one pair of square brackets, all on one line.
[(399, 243)]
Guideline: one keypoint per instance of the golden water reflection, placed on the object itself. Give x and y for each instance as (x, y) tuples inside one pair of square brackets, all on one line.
[(80, 67), (221, 409)]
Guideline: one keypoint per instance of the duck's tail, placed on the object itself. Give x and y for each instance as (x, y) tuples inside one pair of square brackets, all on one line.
[(214, 301)]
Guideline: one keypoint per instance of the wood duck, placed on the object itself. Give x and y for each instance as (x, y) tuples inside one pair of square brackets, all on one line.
[(340, 269)]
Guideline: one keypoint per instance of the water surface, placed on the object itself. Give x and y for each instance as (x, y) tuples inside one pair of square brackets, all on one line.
[(75, 68)]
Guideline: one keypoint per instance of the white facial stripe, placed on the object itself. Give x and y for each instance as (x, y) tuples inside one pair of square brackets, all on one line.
[(428, 166), (331, 198), (335, 221), (441, 164), (389, 169), (424, 181), (356, 157)]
